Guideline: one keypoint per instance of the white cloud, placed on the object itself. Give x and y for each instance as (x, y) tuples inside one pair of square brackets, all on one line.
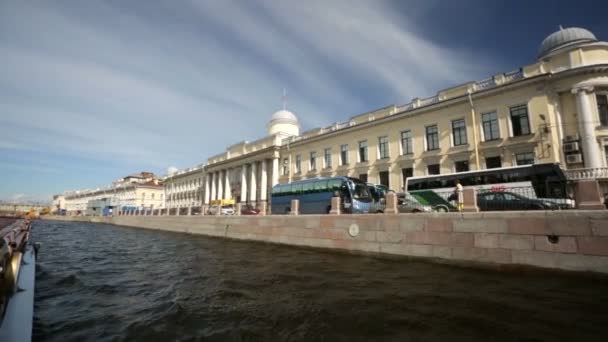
[(175, 86)]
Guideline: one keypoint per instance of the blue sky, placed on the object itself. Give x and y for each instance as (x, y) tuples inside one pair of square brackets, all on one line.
[(94, 90)]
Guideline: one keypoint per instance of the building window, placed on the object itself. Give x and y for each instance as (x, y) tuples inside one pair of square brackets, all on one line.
[(143, 195), (519, 120), (327, 157), (384, 178), (383, 147), (363, 151), (493, 162), (313, 160), (363, 177), (432, 138), (461, 166), (298, 164), (344, 154), (433, 169), (490, 126), (606, 153), (459, 132), (152, 195), (285, 166), (406, 173), (406, 142), (602, 108), (525, 158)]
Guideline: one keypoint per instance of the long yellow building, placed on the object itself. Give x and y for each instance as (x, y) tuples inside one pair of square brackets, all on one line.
[(552, 111)]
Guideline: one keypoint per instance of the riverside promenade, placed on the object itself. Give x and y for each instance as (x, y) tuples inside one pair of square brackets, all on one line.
[(572, 240)]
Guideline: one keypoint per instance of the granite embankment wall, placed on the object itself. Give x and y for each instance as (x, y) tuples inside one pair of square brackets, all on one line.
[(567, 240)]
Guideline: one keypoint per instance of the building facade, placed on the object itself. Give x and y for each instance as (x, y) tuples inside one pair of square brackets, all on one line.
[(552, 111), (184, 188), (134, 192)]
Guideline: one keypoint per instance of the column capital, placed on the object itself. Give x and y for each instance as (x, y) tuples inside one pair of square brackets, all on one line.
[(586, 89)]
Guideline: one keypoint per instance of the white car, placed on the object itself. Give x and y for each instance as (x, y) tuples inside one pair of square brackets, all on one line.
[(225, 210)]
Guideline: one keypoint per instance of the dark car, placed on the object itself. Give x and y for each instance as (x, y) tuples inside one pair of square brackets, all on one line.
[(491, 201), (248, 209)]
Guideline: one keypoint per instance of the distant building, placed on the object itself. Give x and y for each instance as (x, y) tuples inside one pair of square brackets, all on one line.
[(139, 191)]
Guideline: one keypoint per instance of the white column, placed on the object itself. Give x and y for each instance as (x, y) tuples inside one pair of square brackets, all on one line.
[(220, 185), (207, 187), (253, 190), (263, 181), (244, 183), (275, 172), (228, 190), (591, 150), (213, 179)]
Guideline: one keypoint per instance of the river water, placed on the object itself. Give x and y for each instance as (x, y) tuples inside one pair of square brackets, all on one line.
[(100, 282)]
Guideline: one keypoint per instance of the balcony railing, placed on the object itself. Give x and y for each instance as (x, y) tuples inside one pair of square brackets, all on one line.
[(587, 173)]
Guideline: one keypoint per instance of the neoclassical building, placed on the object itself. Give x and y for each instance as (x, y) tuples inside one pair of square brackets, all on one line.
[(246, 171), (139, 191), (554, 110), (184, 188)]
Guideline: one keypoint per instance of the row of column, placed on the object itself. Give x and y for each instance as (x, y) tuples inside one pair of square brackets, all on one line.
[(216, 181)]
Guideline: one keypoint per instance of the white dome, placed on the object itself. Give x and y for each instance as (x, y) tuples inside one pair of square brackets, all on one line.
[(284, 115), (571, 36), (283, 121)]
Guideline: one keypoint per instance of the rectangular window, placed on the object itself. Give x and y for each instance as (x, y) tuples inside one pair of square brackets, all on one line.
[(363, 177), (433, 169), (432, 138), (383, 147), (407, 172), (406, 142), (327, 157), (298, 164), (313, 160), (363, 151), (384, 178), (493, 162), (489, 123), (519, 120), (459, 132), (602, 108), (285, 166), (606, 153), (461, 166), (526, 158), (344, 154)]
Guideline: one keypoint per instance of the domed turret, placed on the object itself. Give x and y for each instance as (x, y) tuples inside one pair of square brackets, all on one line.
[(568, 37), (283, 121)]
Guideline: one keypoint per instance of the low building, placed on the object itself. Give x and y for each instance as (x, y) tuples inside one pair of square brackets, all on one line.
[(134, 192), (554, 110)]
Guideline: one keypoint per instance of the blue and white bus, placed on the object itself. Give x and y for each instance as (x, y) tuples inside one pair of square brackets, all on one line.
[(315, 195)]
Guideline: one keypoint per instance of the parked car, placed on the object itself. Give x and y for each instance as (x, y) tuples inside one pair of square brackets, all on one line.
[(248, 209), (224, 210), (504, 200), (407, 203)]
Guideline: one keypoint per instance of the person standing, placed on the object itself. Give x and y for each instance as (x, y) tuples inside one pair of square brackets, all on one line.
[(459, 196)]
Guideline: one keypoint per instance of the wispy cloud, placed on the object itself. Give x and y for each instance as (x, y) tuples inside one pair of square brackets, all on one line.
[(171, 83)]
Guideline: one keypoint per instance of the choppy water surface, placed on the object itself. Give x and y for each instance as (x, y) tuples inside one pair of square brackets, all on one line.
[(107, 283)]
